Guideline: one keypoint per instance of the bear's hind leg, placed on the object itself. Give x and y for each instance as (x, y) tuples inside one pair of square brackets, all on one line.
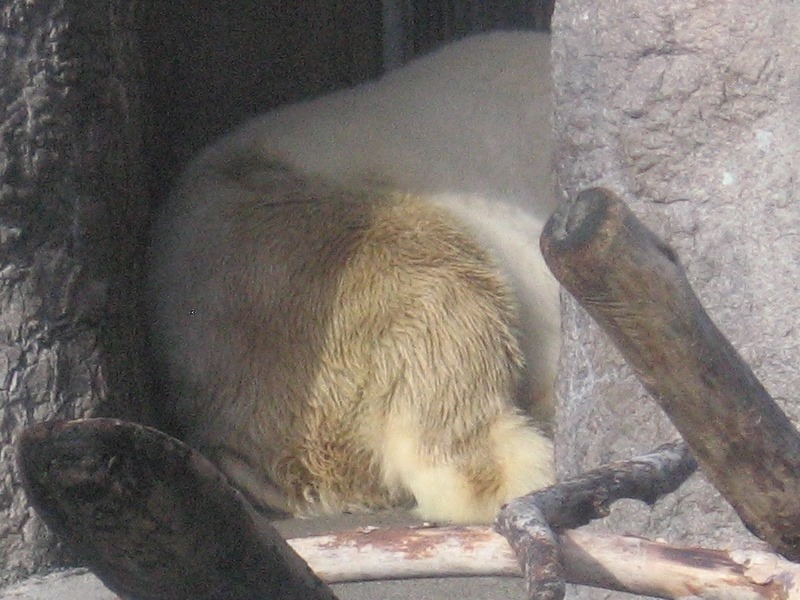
[(467, 484)]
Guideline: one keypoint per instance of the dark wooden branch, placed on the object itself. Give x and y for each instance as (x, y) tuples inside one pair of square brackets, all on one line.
[(577, 501), (633, 285), (154, 519), (526, 522), (536, 547)]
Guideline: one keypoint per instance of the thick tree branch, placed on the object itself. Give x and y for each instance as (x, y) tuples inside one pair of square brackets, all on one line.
[(152, 518), (579, 500), (535, 543), (632, 284), (528, 522)]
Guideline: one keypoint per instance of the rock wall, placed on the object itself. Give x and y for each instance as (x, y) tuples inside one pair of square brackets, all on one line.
[(690, 111), (73, 211)]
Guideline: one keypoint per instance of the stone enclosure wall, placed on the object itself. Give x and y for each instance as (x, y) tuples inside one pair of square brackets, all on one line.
[(689, 111)]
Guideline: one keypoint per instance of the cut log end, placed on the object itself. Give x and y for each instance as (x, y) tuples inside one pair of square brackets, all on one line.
[(633, 285), (577, 221), (153, 518)]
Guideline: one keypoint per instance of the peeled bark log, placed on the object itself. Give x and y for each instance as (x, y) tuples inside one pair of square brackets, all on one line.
[(633, 285), (621, 563)]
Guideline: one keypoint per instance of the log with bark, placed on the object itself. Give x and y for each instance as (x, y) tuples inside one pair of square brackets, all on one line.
[(152, 518), (633, 285), (530, 523), (155, 520)]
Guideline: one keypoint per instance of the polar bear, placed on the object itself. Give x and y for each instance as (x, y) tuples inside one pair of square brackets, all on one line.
[(350, 305)]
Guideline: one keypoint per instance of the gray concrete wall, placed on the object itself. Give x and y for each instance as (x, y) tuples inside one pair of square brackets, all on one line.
[(690, 111)]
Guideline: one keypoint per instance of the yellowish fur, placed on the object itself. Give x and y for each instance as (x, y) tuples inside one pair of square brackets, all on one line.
[(471, 487), (336, 341)]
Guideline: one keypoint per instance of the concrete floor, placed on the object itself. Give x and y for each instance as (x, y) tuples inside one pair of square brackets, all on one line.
[(79, 585)]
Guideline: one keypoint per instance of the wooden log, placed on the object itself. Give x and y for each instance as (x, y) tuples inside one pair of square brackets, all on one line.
[(536, 546), (155, 520), (528, 522), (620, 563), (579, 500), (648, 568), (632, 283), (152, 518), (408, 552)]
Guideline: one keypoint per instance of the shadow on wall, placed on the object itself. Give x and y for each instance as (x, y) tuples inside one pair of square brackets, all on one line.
[(212, 65)]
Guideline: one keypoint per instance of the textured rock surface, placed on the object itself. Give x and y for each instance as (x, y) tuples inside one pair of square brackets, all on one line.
[(689, 111), (72, 211)]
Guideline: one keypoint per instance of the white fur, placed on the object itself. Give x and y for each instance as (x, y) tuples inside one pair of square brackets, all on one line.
[(471, 119)]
